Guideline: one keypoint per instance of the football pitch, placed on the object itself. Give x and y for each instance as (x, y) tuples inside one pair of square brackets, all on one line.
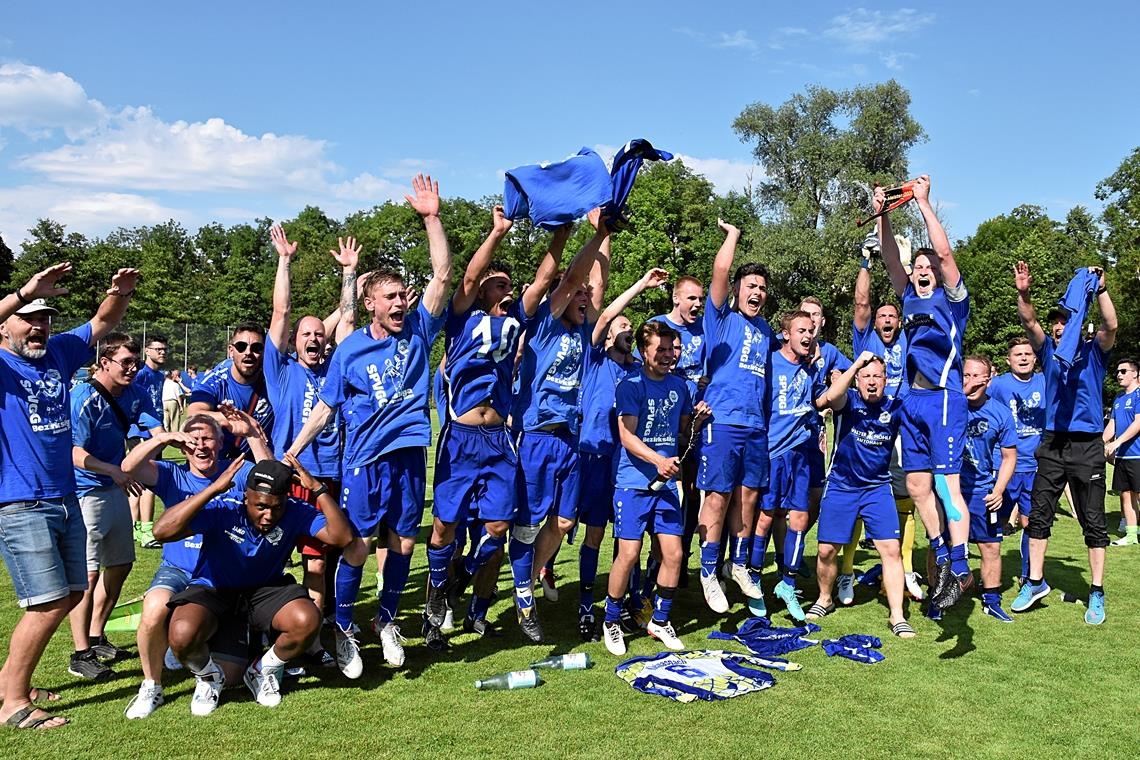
[(1047, 685)]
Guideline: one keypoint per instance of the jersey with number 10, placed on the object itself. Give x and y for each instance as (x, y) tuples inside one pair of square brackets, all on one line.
[(481, 358)]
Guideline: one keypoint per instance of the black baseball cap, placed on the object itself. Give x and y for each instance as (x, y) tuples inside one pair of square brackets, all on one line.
[(271, 477)]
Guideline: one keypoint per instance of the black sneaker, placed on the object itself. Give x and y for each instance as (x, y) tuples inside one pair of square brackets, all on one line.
[(528, 622), (86, 665), (954, 590), (457, 586), (943, 576), (629, 621), (588, 628), (433, 636), (106, 651), (436, 608), (481, 627)]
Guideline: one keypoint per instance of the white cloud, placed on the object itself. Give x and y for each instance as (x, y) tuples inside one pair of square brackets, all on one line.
[(862, 30), (36, 101), (779, 38), (738, 39), (78, 210), (725, 174)]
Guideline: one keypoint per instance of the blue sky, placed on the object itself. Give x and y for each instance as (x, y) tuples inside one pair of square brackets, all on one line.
[(130, 113)]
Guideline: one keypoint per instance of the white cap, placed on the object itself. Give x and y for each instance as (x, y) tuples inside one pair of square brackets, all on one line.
[(38, 306)]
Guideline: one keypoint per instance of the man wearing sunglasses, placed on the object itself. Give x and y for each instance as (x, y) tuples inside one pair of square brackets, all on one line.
[(237, 381), (102, 411), (1122, 445), (150, 378)]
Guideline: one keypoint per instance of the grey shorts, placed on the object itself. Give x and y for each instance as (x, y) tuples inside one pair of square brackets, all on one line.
[(110, 530)]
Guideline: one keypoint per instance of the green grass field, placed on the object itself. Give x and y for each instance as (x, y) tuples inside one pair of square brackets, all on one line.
[(1048, 685)]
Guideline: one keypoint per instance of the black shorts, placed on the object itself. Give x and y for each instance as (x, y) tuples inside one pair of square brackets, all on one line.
[(237, 610), (1126, 475)]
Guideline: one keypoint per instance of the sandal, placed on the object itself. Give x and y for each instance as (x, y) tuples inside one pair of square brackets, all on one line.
[(903, 630), (817, 611), (36, 694), (23, 719)]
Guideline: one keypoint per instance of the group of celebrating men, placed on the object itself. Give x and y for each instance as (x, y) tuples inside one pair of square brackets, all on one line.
[(554, 412)]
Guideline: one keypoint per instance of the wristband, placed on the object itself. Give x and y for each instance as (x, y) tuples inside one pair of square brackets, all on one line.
[(1099, 291), (314, 495), (20, 296), (128, 294), (865, 264)]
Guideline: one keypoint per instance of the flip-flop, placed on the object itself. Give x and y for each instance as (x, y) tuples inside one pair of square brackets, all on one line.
[(817, 611), (36, 694), (22, 719), (903, 630)]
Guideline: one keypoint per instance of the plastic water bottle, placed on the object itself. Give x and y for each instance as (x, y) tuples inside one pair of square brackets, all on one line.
[(572, 661), (518, 679)]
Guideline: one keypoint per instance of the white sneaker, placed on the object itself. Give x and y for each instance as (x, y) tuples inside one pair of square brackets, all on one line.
[(615, 641), (348, 654), (743, 579), (448, 621), (393, 644), (265, 686), (146, 701), (714, 594), (846, 589), (207, 693), (549, 590), (914, 588), (664, 633), (170, 662)]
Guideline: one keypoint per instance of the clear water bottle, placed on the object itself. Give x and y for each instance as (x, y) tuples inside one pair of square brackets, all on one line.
[(518, 679), (572, 661)]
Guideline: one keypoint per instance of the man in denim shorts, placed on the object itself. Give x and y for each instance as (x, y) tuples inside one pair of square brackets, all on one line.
[(42, 536)]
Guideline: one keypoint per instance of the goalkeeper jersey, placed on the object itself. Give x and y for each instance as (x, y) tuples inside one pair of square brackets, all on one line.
[(702, 674)]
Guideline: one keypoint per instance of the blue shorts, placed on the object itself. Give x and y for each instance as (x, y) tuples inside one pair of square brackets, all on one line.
[(549, 484), (731, 456), (1018, 493), (638, 510), (933, 430), (788, 476), (840, 507), (173, 579), (475, 470), (44, 545), (985, 526), (388, 490), (596, 489)]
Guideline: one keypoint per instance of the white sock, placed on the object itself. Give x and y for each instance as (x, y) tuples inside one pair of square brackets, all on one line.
[(210, 669), (270, 661)]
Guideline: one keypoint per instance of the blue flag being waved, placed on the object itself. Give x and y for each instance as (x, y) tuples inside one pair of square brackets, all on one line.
[(627, 162)]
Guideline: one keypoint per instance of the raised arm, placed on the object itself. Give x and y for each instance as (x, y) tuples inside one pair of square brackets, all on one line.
[(599, 279), (1106, 335), (547, 270), (426, 203), (282, 300), (139, 461), (889, 247), (951, 276), (580, 267), (1022, 280), (720, 285), (41, 285), (174, 524), (344, 318), (317, 420), (114, 306), (863, 311), (835, 397), (651, 279), (337, 531), (469, 286)]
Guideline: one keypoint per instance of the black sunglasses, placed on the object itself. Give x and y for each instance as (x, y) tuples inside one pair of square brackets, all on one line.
[(241, 346)]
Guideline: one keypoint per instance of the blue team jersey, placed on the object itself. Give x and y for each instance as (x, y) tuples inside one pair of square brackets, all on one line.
[(235, 555), (35, 416), (1025, 400), (989, 429), (150, 381), (864, 441), (691, 365), (1125, 408), (1073, 399), (737, 358), (174, 484), (658, 406), (293, 391), (700, 674), (551, 376), (934, 328), (218, 387), (599, 388), (893, 356), (96, 429), (481, 358), (792, 390), (381, 388)]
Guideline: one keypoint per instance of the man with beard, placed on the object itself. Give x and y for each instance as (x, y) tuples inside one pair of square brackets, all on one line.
[(293, 381), (379, 379), (733, 448), (151, 379), (102, 411), (550, 381), (935, 306), (1022, 391), (793, 386), (237, 381), (201, 441), (42, 536), (1072, 449)]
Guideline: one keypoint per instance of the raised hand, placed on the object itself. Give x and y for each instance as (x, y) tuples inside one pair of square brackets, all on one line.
[(701, 412), (922, 188), (426, 198), (184, 442), (124, 282), (225, 481), (1099, 272), (306, 480), (728, 229), (239, 422), (878, 198), (655, 278), (43, 284), (361, 279), (502, 224), (594, 216), (347, 253), (1021, 277), (864, 359), (412, 297), (285, 249)]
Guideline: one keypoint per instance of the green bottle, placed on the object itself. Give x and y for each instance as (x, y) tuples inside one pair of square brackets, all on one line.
[(572, 661), (518, 679)]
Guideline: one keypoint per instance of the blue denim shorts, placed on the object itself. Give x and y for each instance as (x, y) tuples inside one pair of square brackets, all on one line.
[(173, 579), (44, 545)]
